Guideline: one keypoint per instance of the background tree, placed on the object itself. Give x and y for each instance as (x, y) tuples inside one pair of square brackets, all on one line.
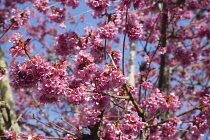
[(72, 76)]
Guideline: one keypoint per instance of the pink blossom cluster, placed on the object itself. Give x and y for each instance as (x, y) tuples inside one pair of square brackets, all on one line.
[(20, 46), (42, 5), (76, 96), (51, 88), (10, 134), (92, 40), (201, 122), (85, 68), (127, 3), (100, 101), (117, 16), (97, 52), (184, 56), (160, 100), (20, 18), (73, 3), (166, 131), (206, 58), (134, 30), (116, 56), (113, 130), (54, 83), (109, 78), (57, 14), (206, 102), (37, 73), (68, 43), (14, 136), (108, 31), (28, 73), (15, 38), (132, 123), (98, 6), (125, 129), (199, 126), (169, 128), (147, 85), (203, 30), (90, 117)]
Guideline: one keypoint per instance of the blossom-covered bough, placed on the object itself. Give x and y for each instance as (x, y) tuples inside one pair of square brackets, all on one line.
[(70, 82)]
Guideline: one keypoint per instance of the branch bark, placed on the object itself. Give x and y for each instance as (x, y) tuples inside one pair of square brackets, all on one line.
[(132, 67), (6, 94)]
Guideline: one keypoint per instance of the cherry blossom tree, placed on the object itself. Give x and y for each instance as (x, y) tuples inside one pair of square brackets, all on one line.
[(105, 69)]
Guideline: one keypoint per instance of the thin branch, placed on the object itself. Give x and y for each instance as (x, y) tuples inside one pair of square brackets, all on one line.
[(7, 30), (123, 53), (46, 116), (188, 111), (47, 133), (140, 112), (62, 129), (52, 124), (69, 124), (111, 95)]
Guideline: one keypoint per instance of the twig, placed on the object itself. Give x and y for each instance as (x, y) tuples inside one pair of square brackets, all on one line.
[(62, 129), (111, 95), (57, 130), (112, 60), (123, 53), (69, 124), (140, 112), (188, 111), (37, 103), (7, 30)]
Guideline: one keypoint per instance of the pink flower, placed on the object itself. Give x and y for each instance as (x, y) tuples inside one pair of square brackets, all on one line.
[(90, 116), (57, 14), (169, 129), (68, 43), (134, 31), (160, 100), (76, 96), (112, 130), (108, 31), (98, 6), (116, 56), (100, 101), (10, 134), (42, 5), (62, 25), (172, 102), (110, 77), (199, 126), (20, 48), (15, 38), (20, 18), (85, 68), (28, 73), (132, 123), (147, 85), (52, 87), (73, 3)]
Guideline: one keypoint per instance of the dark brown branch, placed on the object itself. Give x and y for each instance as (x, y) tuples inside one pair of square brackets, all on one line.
[(162, 81), (183, 113), (140, 112)]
